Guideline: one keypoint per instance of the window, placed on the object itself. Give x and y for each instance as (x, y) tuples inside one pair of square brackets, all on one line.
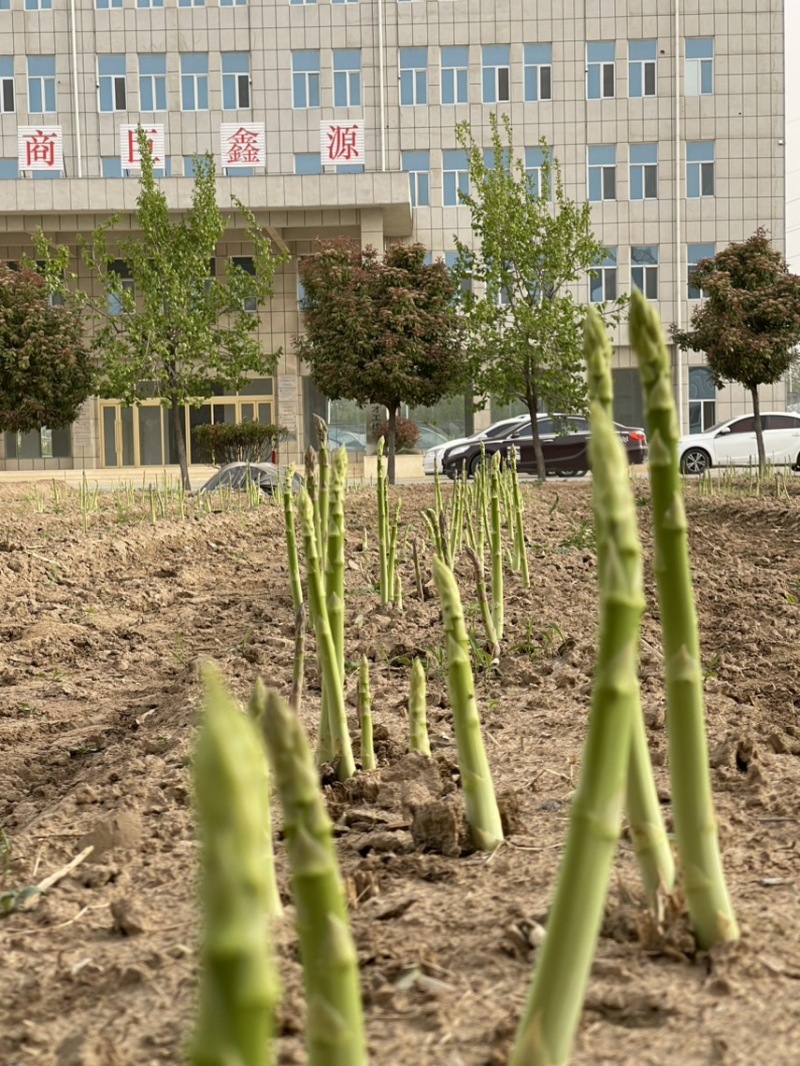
[(307, 163), (107, 3), (5, 5), (344, 1), (455, 75), (456, 176), (417, 164), (347, 77), (120, 268), (189, 166), (305, 79), (302, 1), (41, 85), (349, 168), (112, 166), (239, 172), (45, 175), (413, 76), (194, 81), (603, 279), (191, 3), (152, 83), (644, 172), (232, 3), (38, 5), (235, 80), (149, 3), (602, 172), (534, 168), (40, 444), (245, 263), (8, 170), (496, 73), (450, 260), (111, 81), (702, 399), (644, 270), (600, 73), (642, 68), (699, 169), (6, 85), (696, 253), (538, 72), (699, 76), (490, 162)]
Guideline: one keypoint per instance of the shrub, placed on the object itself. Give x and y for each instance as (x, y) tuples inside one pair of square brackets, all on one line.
[(229, 442), (406, 433)]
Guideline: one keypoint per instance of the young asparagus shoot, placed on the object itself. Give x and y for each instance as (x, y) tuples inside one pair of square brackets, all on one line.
[(239, 988), (391, 564), (291, 539), (298, 666), (483, 814), (483, 603), (418, 711), (497, 553), (365, 716), (547, 1028), (707, 898), (323, 493), (335, 719), (334, 1024), (417, 570), (645, 821), (520, 552), (334, 573), (383, 526)]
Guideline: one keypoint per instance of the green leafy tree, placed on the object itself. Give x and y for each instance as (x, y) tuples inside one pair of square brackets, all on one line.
[(748, 325), (381, 330), (45, 367), (531, 244), (165, 325)]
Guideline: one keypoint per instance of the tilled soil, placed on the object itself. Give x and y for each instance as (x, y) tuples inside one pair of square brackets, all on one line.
[(100, 638)]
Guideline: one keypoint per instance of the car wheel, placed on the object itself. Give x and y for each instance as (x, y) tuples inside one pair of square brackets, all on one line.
[(695, 461), (474, 465)]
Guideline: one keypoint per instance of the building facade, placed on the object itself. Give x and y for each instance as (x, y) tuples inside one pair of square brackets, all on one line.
[(338, 118)]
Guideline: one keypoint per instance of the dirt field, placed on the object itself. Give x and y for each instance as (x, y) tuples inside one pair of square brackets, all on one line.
[(99, 639)]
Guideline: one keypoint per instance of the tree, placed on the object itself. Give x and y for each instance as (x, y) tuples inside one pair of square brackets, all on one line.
[(748, 325), (167, 325), (45, 367), (531, 243), (381, 331)]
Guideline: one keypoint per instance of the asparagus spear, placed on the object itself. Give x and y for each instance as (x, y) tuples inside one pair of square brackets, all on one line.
[(365, 716), (418, 711), (291, 540)]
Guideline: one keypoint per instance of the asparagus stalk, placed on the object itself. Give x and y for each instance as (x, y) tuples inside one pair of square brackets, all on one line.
[(383, 522), (483, 815), (335, 718), (334, 571), (335, 1025), (645, 821), (551, 1015), (255, 709), (321, 427), (418, 711), (398, 591), (483, 603), (392, 561), (239, 988), (520, 553), (707, 898), (365, 715), (291, 540), (498, 608), (298, 667), (417, 570)]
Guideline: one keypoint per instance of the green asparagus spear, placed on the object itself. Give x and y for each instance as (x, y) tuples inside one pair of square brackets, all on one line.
[(418, 711)]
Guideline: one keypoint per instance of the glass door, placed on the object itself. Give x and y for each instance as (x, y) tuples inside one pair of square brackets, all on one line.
[(118, 435)]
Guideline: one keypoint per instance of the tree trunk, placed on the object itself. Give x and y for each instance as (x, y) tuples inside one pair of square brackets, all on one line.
[(391, 442), (530, 399), (762, 454), (180, 441)]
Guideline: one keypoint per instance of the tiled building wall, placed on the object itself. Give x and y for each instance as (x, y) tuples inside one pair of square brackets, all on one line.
[(742, 117)]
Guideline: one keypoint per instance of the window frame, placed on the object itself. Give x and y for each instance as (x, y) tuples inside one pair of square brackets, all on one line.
[(642, 173), (412, 76), (455, 73), (645, 274), (455, 179), (237, 81), (305, 80), (197, 80), (537, 73), (642, 66), (346, 79), (157, 80), (500, 69), (691, 262), (46, 87), (606, 273), (419, 178), (700, 172), (603, 172), (603, 68), (8, 86), (698, 69)]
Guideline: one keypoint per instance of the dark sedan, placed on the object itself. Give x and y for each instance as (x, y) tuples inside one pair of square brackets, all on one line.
[(564, 438)]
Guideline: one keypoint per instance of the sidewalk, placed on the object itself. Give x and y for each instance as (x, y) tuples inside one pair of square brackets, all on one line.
[(108, 478)]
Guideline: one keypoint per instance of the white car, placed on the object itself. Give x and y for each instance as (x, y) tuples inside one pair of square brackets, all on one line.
[(432, 459), (733, 443)]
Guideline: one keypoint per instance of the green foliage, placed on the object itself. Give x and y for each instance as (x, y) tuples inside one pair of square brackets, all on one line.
[(406, 433), (530, 246), (45, 369), (162, 325), (381, 330), (748, 325), (231, 442)]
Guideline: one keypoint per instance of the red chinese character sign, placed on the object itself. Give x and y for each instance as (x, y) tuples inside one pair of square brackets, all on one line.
[(243, 144), (129, 146), (341, 142), (40, 148)]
